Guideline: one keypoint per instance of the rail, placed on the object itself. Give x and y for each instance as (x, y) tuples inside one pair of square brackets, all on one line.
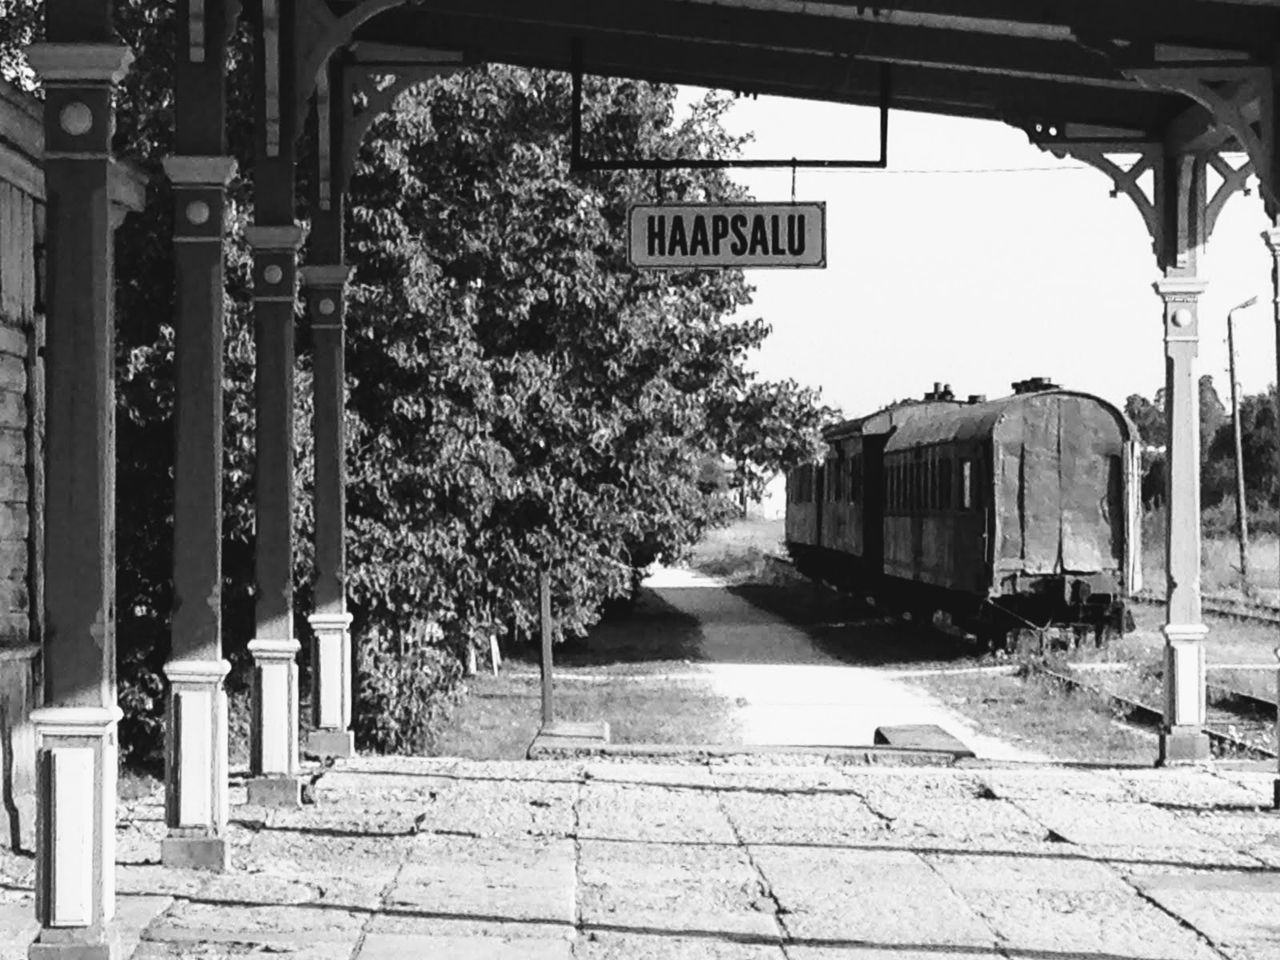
[(1222, 606)]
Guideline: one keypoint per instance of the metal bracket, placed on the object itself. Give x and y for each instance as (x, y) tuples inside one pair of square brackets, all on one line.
[(578, 163)]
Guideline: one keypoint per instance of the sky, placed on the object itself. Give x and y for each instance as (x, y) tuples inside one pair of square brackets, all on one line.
[(978, 279)]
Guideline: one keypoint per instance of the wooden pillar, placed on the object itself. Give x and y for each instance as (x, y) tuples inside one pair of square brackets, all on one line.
[(274, 724), (76, 732), (275, 239), (196, 715), (1181, 200), (331, 655)]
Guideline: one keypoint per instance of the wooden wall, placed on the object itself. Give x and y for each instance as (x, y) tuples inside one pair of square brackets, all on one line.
[(21, 457)]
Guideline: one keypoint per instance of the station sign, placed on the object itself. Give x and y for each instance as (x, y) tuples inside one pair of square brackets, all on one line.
[(676, 236)]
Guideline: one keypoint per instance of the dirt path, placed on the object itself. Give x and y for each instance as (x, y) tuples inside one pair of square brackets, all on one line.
[(788, 690)]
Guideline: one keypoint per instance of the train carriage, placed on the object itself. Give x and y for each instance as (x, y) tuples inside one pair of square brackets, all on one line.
[(1017, 511)]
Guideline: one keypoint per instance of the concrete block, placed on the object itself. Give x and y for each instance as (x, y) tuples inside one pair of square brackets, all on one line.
[(331, 743), (920, 736), (275, 792), (48, 948), (194, 853), (1183, 745), (577, 730)]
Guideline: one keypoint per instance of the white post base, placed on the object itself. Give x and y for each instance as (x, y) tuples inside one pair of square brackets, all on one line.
[(273, 747), (331, 685), (76, 752), (1182, 736), (196, 765)]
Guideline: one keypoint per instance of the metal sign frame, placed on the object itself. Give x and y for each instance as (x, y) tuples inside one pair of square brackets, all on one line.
[(578, 163)]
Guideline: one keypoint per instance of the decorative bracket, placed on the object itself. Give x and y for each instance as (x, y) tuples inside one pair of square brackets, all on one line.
[(1234, 179), (318, 35), (369, 91), (1103, 150), (1237, 98)]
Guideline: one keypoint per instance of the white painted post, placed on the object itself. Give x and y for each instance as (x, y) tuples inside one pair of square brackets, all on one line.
[(75, 871), (1182, 738), (273, 757), (196, 796)]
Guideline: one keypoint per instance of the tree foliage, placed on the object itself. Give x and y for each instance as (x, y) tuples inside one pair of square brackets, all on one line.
[(519, 398)]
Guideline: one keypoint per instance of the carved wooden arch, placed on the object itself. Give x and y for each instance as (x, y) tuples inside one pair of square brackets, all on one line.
[(1227, 92), (1104, 154), (319, 34), (378, 88)]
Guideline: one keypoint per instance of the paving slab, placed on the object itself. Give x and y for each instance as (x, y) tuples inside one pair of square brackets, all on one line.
[(1237, 912), (777, 860), (653, 946), (822, 819), (1128, 831), (403, 946), (680, 891), (1085, 923), (888, 897), (1190, 789), (641, 812), (458, 886)]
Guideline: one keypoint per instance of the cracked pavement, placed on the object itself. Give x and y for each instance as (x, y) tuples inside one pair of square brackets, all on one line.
[(752, 857)]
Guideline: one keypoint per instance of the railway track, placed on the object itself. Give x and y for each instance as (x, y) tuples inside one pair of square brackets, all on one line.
[(1222, 607), (1224, 743), (1242, 711)]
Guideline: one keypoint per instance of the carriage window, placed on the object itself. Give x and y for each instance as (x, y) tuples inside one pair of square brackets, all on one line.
[(966, 484), (944, 485)]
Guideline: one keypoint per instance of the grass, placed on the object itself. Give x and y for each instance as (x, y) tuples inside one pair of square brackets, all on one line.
[(609, 675), (737, 553), (650, 636), (1219, 557), (500, 715), (1037, 714)]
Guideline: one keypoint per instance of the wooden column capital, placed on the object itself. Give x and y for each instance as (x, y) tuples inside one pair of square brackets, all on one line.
[(272, 237), (326, 276), (60, 64), (192, 171), (1180, 289)]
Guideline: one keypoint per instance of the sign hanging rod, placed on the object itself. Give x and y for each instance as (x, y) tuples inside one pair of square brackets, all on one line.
[(579, 163)]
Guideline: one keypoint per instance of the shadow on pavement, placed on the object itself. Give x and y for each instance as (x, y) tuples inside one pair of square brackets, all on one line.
[(849, 630), (650, 630)]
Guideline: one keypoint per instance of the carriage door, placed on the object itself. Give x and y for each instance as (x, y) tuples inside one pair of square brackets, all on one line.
[(1053, 463)]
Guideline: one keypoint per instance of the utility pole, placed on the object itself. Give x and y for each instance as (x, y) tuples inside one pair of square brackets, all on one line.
[(1242, 522)]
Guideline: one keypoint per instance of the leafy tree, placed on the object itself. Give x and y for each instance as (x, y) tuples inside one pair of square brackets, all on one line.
[(520, 399), (767, 427), (1148, 417), (1259, 447)]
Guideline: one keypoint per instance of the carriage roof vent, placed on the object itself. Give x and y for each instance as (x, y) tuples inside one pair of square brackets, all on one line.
[(977, 398), (1033, 385), (940, 391)]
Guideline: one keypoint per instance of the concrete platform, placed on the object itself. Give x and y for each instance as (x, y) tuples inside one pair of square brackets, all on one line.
[(570, 738), (763, 856), (921, 736)]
